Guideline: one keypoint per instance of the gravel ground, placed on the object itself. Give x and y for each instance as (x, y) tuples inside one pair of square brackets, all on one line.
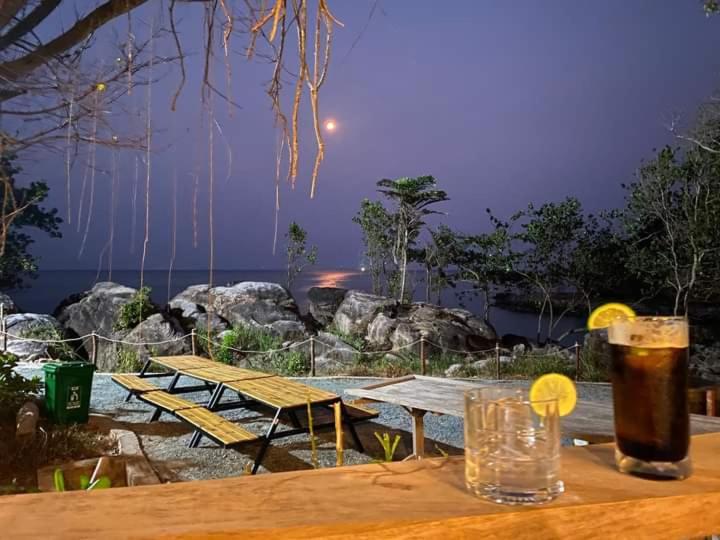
[(165, 442)]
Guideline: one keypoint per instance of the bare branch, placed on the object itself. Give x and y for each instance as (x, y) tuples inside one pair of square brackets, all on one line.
[(20, 67), (28, 23)]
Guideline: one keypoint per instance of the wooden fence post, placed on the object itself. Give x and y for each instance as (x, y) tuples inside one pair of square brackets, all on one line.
[(193, 342), (577, 361), (312, 356), (339, 458), (93, 349), (423, 359), (710, 399), (497, 360)]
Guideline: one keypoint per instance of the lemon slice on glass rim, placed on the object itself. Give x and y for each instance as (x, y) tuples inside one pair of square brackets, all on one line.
[(605, 315), (553, 386)]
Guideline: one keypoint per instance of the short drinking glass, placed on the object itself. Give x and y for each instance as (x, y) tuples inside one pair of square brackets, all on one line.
[(512, 446), (650, 398)]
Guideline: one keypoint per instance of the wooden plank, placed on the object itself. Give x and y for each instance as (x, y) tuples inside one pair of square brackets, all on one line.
[(412, 499), (167, 401), (427, 393), (215, 425), (182, 362), (222, 374), (133, 383), (356, 409), (588, 420), (281, 393)]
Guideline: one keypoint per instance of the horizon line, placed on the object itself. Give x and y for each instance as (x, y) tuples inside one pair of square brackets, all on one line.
[(193, 269)]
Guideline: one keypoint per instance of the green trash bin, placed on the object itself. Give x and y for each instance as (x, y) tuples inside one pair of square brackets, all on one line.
[(67, 391)]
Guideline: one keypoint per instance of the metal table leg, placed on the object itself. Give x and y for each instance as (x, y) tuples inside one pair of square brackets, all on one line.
[(158, 411), (214, 400), (266, 442), (144, 368)]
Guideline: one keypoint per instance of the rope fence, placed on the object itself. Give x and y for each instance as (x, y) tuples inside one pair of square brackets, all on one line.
[(424, 344)]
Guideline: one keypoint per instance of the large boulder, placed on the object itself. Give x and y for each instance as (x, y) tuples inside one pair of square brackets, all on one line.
[(96, 311), (8, 304), (35, 327), (248, 303), (443, 329), (190, 308), (164, 335), (358, 310), (323, 302), (380, 331), (333, 355)]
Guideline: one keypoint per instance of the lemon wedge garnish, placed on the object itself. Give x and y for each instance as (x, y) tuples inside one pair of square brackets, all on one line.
[(607, 314), (553, 386)]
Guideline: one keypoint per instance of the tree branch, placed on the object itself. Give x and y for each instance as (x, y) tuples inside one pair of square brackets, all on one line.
[(21, 67), (9, 9), (28, 23)]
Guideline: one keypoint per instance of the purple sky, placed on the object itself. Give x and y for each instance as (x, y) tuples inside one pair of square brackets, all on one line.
[(505, 103)]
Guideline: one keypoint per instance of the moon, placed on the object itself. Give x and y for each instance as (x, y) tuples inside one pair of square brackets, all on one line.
[(330, 125)]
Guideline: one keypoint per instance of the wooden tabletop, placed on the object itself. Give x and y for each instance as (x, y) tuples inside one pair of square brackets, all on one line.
[(413, 499), (589, 420)]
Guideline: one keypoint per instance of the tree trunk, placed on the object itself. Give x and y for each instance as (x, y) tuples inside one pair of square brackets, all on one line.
[(486, 306), (428, 281), (403, 269)]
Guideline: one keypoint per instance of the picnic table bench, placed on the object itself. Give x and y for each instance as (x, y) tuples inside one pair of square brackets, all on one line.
[(419, 395)]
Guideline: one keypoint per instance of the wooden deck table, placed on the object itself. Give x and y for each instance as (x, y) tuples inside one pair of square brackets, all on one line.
[(420, 395), (402, 500)]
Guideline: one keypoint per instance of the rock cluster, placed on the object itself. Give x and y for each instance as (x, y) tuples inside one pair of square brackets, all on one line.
[(344, 323)]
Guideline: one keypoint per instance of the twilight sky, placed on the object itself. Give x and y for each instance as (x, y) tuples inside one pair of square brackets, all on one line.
[(503, 102)]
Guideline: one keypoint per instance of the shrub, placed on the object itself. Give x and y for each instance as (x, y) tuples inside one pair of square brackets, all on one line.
[(139, 308), (355, 342), (593, 366), (56, 351), (257, 339), (128, 361), (399, 364), (224, 352), (241, 337), (532, 366), (14, 388), (291, 363)]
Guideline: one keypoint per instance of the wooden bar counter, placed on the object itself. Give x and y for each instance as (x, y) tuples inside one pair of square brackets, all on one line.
[(412, 499)]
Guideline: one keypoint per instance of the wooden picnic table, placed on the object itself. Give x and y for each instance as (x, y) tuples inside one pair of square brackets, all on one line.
[(419, 395), (281, 395), (403, 500)]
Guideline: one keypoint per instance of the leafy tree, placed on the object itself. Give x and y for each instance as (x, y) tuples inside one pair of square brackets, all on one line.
[(436, 256), (672, 219), (20, 210), (483, 261), (552, 252), (412, 198), (298, 255), (377, 230), (598, 263)]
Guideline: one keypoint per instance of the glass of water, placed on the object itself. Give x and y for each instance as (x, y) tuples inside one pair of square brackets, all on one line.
[(512, 446)]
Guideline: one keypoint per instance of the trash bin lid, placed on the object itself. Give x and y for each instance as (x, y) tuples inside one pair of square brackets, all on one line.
[(53, 367)]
